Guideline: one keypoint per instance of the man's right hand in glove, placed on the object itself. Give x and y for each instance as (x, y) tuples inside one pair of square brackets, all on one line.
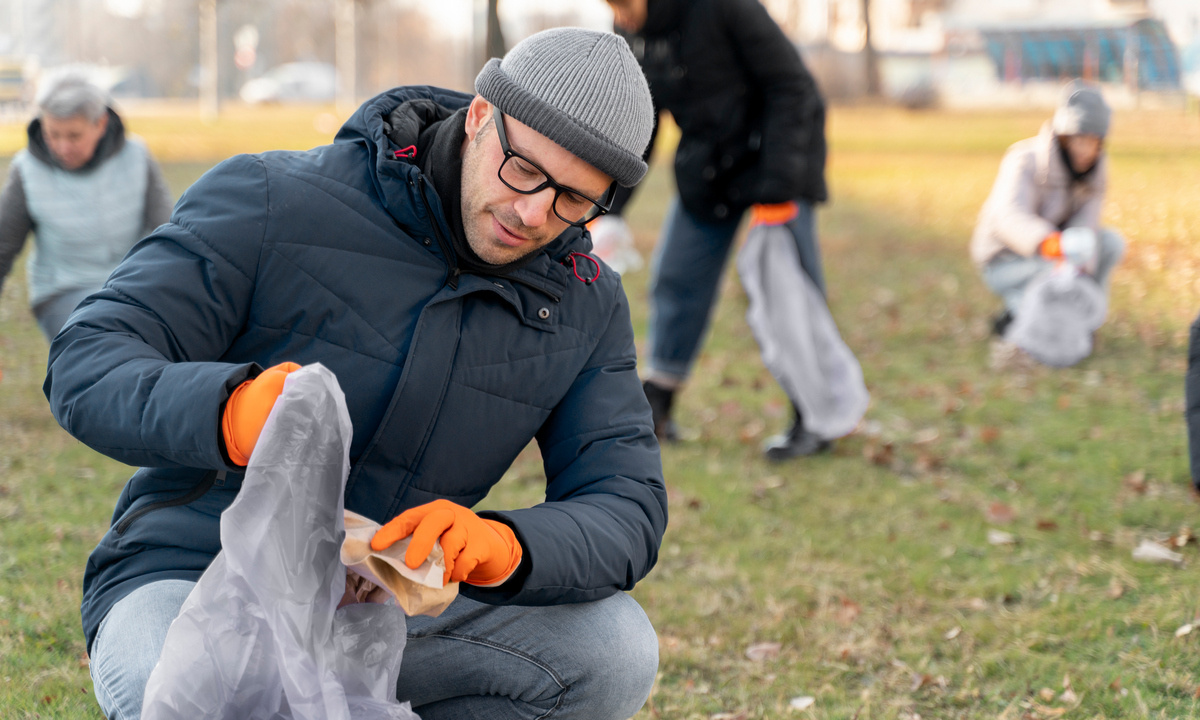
[(477, 551), (247, 409)]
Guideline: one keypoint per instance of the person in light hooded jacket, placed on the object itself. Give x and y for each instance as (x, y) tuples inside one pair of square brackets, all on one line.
[(434, 258), (86, 189), (1045, 185)]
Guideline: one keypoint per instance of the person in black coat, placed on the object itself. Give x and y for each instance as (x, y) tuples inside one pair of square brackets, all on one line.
[(752, 125)]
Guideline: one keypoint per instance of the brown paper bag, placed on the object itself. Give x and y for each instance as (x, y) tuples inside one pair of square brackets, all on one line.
[(418, 592)]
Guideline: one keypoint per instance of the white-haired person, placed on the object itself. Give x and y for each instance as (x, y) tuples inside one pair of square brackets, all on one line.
[(87, 191)]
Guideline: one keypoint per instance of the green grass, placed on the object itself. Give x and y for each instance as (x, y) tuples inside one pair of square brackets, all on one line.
[(870, 567)]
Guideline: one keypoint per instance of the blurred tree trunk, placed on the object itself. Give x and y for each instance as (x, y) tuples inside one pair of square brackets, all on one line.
[(345, 58), (871, 60), (210, 104), (494, 45)]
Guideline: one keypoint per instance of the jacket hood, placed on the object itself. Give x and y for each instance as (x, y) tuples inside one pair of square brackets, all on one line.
[(389, 123), (109, 145)]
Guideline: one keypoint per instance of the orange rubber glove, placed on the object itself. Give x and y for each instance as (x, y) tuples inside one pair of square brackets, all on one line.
[(1051, 247), (477, 551), (775, 214), (247, 409)]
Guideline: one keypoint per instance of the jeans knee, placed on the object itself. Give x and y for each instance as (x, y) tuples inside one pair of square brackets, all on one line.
[(620, 668)]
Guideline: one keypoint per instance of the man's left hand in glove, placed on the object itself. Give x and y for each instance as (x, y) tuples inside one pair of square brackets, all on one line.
[(477, 551)]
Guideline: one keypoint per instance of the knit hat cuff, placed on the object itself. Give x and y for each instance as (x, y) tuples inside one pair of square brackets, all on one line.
[(586, 143)]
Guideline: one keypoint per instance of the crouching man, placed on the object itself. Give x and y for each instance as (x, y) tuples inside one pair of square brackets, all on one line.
[(434, 258)]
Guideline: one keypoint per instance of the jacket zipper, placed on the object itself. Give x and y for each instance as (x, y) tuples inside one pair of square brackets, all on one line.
[(451, 261), (198, 490)]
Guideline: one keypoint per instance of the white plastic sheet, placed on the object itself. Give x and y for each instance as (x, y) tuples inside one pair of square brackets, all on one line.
[(260, 635), (1059, 312), (798, 338)]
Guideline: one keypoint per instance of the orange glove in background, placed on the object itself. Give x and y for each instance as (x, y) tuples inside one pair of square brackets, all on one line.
[(247, 409), (775, 214), (478, 551), (1051, 247)]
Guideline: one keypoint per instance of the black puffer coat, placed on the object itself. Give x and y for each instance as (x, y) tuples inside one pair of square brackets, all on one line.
[(751, 116)]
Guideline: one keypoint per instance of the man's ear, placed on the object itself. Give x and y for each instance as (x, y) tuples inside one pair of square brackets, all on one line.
[(102, 123), (479, 113)]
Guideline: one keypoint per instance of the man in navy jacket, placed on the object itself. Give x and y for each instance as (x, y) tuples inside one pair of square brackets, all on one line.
[(433, 258)]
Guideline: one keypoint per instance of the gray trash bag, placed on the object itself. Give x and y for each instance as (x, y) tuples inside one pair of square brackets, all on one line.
[(260, 636), (1059, 312), (800, 343)]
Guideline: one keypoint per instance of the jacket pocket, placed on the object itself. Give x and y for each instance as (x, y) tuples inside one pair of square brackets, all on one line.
[(196, 492)]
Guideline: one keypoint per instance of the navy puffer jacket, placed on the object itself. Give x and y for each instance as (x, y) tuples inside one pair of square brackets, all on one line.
[(339, 255)]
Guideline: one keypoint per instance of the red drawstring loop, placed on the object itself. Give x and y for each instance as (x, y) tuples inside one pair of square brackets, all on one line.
[(409, 152), (574, 258)]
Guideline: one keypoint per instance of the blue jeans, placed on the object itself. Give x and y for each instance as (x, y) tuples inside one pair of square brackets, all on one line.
[(52, 314), (592, 661), (1009, 274), (686, 276)]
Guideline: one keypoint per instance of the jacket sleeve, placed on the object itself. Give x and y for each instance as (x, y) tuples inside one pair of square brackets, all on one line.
[(137, 374), (15, 222), (158, 198), (793, 130), (1012, 205), (605, 512), (1192, 397)]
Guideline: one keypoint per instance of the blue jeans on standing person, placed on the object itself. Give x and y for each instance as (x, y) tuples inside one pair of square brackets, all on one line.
[(1008, 274), (686, 277), (591, 661)]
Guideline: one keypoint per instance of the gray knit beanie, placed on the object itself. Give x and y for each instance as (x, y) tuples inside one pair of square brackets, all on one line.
[(1082, 111), (582, 89)]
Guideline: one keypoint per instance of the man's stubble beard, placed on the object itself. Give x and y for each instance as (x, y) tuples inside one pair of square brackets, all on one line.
[(477, 220)]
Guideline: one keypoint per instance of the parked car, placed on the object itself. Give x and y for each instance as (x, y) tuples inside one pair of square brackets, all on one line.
[(293, 82)]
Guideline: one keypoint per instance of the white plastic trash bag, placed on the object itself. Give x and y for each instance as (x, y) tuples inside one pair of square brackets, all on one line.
[(612, 242), (260, 636), (799, 341), (1059, 312)]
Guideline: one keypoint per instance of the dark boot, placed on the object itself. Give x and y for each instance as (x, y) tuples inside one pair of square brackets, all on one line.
[(660, 399), (797, 442), (1000, 323)]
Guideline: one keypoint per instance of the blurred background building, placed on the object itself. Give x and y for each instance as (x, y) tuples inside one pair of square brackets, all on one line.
[(919, 52)]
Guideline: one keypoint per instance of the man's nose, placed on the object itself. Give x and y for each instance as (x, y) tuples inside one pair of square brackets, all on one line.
[(535, 209)]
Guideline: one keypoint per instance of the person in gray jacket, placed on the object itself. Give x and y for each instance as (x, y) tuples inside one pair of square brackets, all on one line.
[(86, 189), (1047, 184), (434, 258)]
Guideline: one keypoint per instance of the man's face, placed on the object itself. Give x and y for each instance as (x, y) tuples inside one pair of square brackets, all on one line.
[(73, 140), (501, 224), (629, 15), (1084, 150)]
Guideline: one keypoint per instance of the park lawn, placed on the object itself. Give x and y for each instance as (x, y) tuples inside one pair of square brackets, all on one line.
[(864, 579)]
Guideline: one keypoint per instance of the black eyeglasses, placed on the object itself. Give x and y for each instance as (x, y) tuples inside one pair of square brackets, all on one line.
[(523, 175)]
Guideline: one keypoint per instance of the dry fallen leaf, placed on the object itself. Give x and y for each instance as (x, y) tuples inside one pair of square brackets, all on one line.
[(1046, 524), (999, 537), (952, 633), (1049, 712), (763, 651), (739, 715), (848, 612), (1136, 481), (988, 434), (1000, 513), (803, 702), (1150, 551), (1184, 630), (1115, 589)]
